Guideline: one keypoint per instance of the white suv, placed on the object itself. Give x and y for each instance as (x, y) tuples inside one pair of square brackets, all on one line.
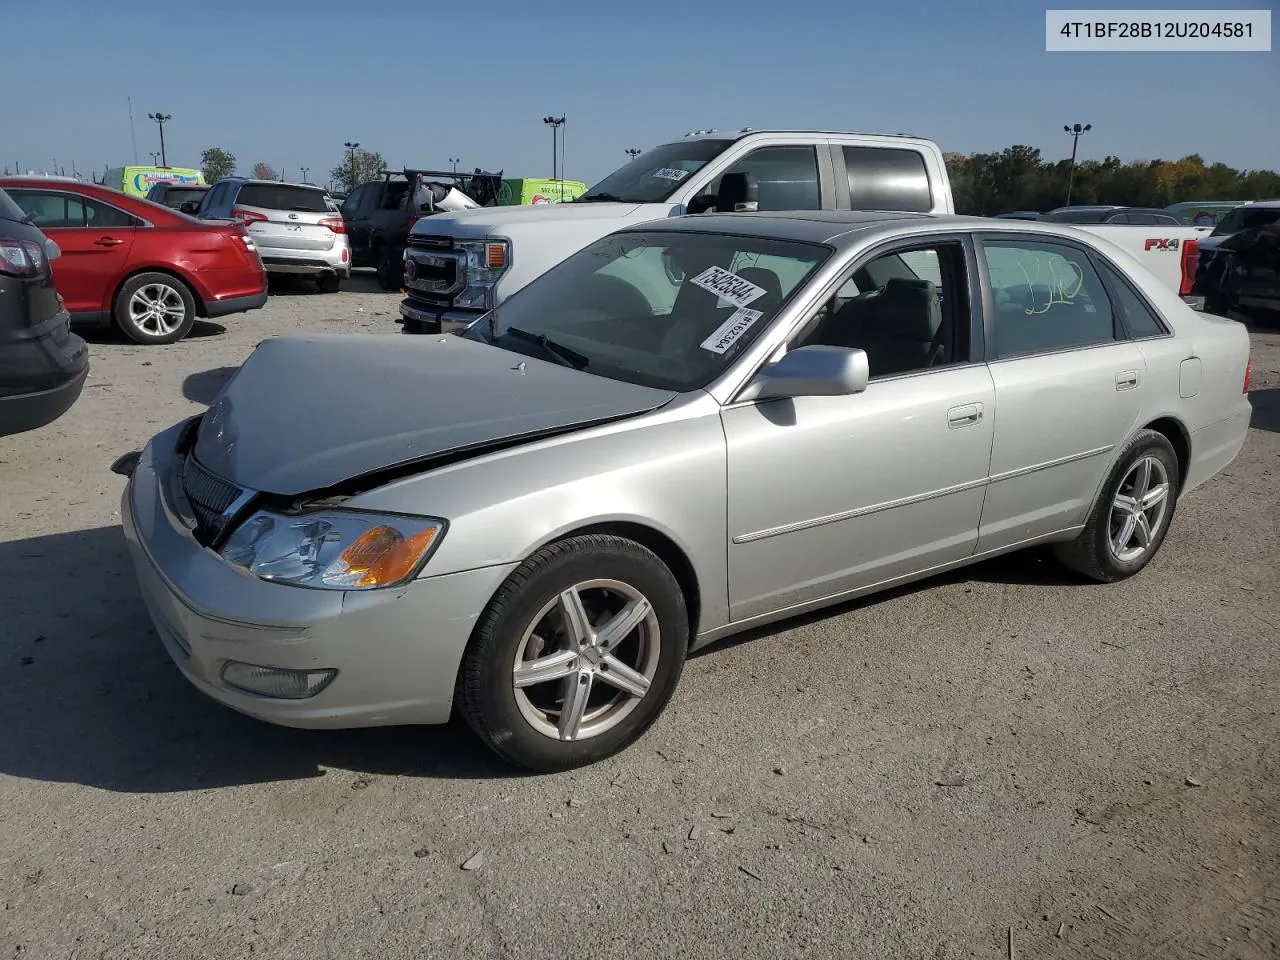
[(293, 224)]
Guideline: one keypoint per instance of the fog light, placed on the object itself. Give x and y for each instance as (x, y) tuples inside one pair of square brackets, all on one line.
[(276, 682)]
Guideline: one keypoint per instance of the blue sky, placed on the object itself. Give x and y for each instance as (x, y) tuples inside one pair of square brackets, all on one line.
[(287, 82)]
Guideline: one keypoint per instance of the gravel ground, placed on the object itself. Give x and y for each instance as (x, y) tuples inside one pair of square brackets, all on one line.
[(1003, 762)]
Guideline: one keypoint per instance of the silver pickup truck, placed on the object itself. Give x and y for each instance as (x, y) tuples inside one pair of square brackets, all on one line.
[(457, 267)]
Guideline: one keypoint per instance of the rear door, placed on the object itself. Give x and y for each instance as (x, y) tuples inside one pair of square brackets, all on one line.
[(355, 214), (95, 239), (286, 219)]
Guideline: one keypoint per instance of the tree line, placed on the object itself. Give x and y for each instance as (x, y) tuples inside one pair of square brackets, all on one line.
[(1019, 178), (353, 170)]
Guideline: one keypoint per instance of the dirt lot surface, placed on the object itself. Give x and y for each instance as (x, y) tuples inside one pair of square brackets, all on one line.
[(1004, 762)]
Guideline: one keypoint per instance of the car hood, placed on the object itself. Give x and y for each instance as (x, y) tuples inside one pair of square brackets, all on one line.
[(494, 219), (305, 413)]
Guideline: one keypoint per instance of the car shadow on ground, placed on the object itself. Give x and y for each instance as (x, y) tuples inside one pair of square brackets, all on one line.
[(203, 387), (111, 336), (88, 695), (1266, 409)]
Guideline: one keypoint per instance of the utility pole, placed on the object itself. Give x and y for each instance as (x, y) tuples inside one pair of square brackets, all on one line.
[(633, 152), (162, 119), (1075, 130), (351, 159), (555, 123), (305, 171)]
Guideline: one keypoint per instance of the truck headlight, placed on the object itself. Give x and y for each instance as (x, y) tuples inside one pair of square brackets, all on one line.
[(487, 261), (335, 550)]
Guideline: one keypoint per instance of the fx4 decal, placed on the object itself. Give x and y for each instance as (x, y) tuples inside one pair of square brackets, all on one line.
[(1160, 244)]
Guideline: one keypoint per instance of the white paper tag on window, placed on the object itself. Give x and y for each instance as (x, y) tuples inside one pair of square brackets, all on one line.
[(727, 333), (729, 286), (671, 173)]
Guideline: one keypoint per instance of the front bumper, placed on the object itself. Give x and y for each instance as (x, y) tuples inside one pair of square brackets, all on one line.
[(396, 652), (436, 321)]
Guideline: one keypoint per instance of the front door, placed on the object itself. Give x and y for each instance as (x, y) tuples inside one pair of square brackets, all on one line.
[(94, 237), (1069, 385), (829, 495)]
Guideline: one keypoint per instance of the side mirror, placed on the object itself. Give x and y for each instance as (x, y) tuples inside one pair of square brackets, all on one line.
[(702, 203), (738, 194), (815, 371)]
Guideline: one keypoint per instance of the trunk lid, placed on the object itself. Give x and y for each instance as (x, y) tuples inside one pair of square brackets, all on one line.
[(287, 216)]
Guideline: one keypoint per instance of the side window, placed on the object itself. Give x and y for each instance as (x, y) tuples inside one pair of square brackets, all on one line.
[(916, 319), (214, 198), (106, 217), (1121, 218), (351, 205), (881, 178), (50, 210), (1047, 297), (787, 177), (1139, 319)]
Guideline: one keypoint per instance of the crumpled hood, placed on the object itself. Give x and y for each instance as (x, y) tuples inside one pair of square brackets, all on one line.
[(306, 412), (482, 222)]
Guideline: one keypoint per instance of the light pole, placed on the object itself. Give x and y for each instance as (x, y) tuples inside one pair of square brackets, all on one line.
[(555, 123), (455, 161), (155, 156), (305, 171), (1075, 130), (633, 152), (162, 119), (351, 161)]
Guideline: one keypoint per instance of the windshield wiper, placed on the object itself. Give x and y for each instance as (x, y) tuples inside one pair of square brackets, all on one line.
[(561, 354), (600, 198)]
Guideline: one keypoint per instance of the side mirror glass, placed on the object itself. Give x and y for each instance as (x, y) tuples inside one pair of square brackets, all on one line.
[(814, 371)]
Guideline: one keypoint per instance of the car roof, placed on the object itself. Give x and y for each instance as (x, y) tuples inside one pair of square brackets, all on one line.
[(276, 183), (714, 134)]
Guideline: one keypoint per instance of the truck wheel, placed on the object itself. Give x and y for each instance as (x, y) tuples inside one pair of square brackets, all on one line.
[(390, 271)]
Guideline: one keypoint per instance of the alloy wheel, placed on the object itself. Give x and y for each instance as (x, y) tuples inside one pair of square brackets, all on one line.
[(1139, 509), (157, 309), (587, 660)]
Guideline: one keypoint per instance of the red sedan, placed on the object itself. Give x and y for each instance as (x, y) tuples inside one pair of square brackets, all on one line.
[(146, 268)]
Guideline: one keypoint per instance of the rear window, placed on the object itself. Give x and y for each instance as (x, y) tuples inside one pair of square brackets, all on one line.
[(886, 179), (183, 194), (8, 209), (280, 196), (1246, 218)]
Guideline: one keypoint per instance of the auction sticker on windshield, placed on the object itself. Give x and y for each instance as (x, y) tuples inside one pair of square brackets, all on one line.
[(671, 173), (727, 333), (729, 286)]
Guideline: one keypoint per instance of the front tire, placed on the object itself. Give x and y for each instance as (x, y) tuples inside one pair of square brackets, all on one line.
[(154, 309), (576, 654), (390, 272), (1129, 522)]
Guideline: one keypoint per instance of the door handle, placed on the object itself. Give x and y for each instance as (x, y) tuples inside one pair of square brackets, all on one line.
[(964, 415), (108, 242), (1127, 380)]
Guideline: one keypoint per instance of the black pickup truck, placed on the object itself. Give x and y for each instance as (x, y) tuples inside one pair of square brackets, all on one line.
[(380, 213)]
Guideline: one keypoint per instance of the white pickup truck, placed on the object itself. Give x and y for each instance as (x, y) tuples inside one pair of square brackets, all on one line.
[(458, 267)]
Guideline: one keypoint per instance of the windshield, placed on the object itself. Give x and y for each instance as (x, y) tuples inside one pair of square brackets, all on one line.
[(670, 310), (1245, 218), (654, 175)]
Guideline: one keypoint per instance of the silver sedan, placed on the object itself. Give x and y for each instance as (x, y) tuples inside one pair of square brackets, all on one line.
[(687, 429)]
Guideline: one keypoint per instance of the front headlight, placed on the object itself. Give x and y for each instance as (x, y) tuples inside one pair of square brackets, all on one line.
[(335, 550), (487, 261)]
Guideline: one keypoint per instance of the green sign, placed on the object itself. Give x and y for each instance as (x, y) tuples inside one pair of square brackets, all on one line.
[(528, 191)]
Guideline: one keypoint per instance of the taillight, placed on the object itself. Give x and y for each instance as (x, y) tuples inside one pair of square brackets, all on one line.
[(1248, 376), (1190, 262), (336, 224), (20, 258), (248, 216)]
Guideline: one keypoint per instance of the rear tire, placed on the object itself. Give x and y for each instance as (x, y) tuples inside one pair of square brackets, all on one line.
[(390, 273), (329, 283), (1129, 522), (551, 683), (154, 309)]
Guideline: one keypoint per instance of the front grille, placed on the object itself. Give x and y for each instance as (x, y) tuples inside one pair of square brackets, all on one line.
[(431, 242), (210, 497)]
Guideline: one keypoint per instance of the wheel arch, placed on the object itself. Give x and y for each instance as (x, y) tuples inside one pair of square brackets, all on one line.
[(1175, 431), (201, 309), (666, 549)]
